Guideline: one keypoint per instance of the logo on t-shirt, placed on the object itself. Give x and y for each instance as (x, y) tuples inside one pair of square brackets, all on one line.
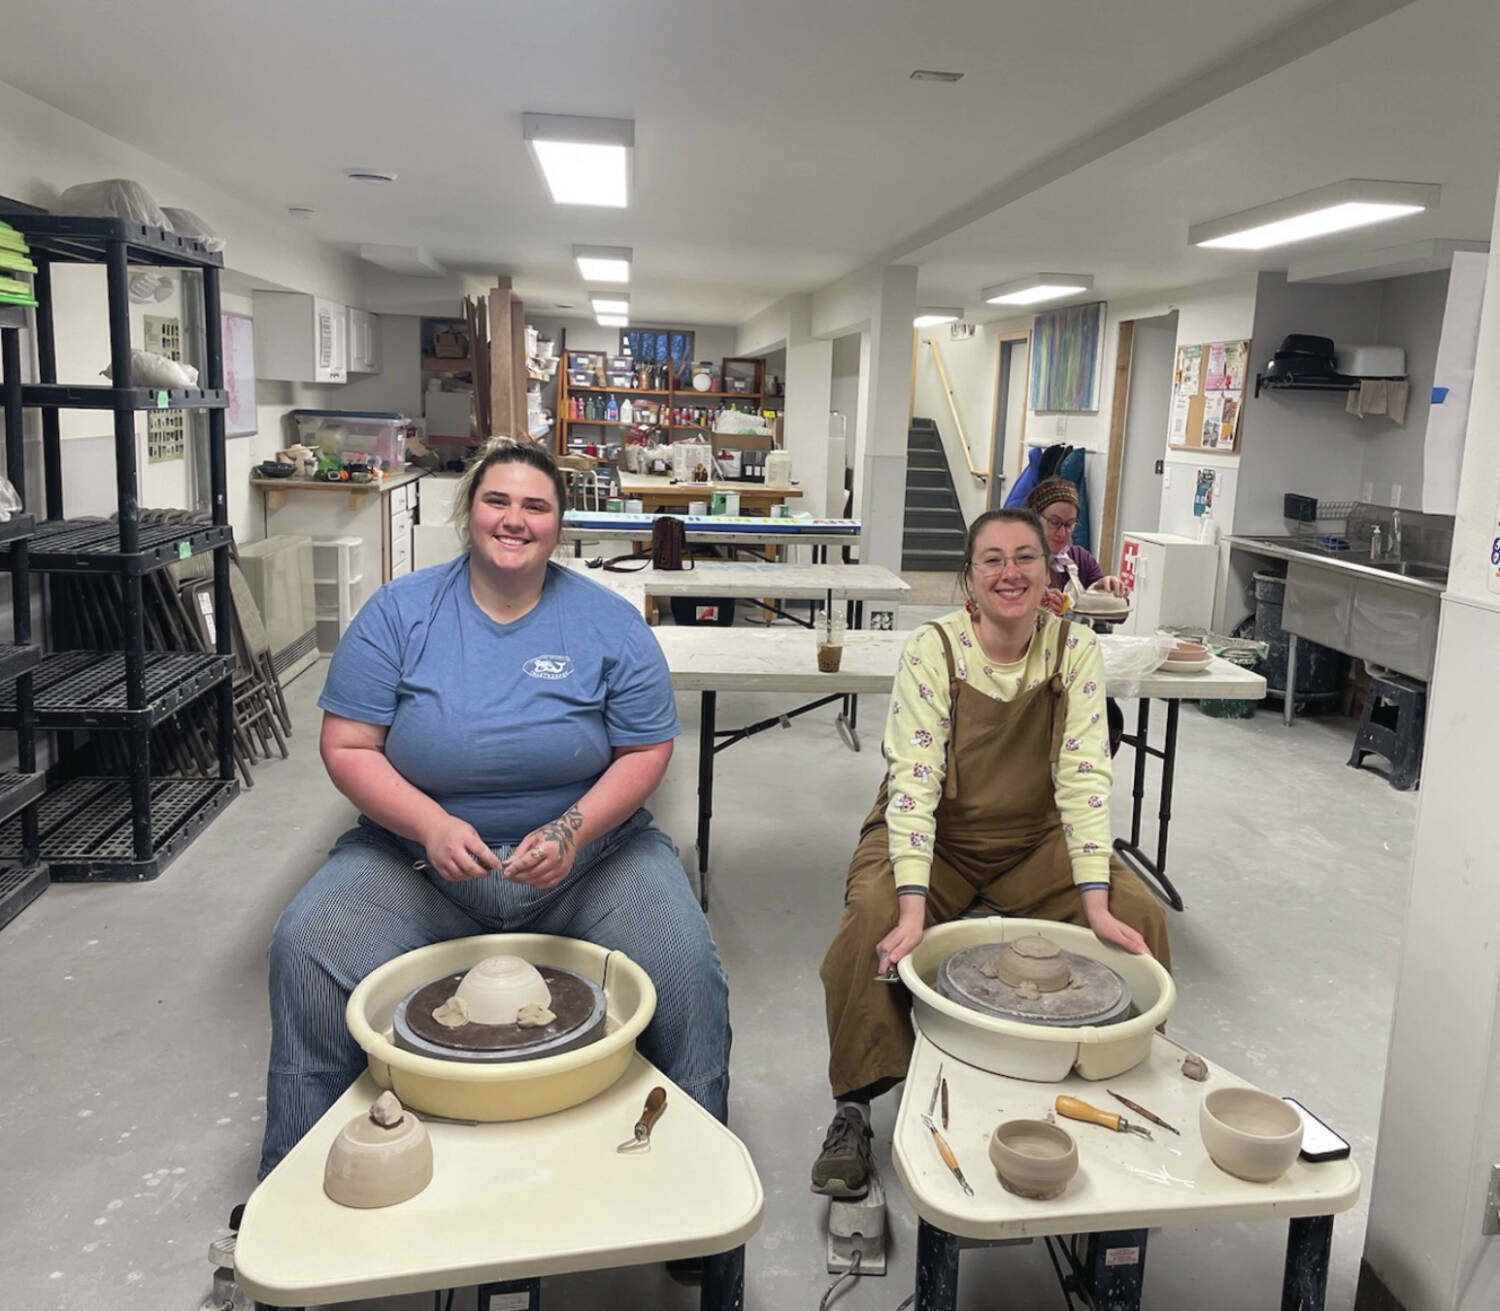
[(549, 666)]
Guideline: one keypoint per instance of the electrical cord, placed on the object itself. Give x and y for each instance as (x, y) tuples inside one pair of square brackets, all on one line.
[(849, 1275)]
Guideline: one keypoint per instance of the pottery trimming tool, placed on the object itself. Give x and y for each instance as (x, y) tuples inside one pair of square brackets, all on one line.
[(937, 1084), (944, 1100), (1077, 1110), (1141, 1111), (640, 1139), (946, 1153)]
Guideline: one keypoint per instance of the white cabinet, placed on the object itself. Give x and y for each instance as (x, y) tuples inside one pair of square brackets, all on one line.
[(1171, 581), (364, 342), (301, 338)]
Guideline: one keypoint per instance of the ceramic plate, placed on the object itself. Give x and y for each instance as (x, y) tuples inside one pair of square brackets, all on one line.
[(1185, 666)]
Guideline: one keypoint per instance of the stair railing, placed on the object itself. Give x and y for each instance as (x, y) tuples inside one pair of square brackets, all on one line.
[(958, 424)]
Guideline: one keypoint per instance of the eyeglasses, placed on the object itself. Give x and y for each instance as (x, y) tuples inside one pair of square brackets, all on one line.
[(1062, 525), (994, 564)]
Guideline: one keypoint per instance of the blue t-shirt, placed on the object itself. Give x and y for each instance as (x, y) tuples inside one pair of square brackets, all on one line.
[(503, 725)]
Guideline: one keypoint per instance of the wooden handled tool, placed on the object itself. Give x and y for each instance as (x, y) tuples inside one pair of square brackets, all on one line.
[(656, 1103), (1141, 1111), (1077, 1110), (946, 1153)]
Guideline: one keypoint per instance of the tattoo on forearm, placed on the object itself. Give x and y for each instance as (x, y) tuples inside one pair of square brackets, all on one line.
[(564, 831)]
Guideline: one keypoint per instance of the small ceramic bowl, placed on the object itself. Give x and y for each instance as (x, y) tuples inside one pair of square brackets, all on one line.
[(371, 1164), (1250, 1134), (497, 988), (1033, 1158), (1187, 651)]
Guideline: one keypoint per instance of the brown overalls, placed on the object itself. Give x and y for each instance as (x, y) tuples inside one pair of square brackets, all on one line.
[(999, 844)]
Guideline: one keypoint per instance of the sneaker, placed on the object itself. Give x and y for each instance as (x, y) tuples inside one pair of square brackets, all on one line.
[(844, 1166)]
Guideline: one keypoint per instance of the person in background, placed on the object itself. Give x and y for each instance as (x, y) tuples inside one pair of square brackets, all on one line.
[(1055, 501), (499, 721), (996, 796)]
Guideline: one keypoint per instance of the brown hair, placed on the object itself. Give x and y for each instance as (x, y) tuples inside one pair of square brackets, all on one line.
[(505, 450), (1011, 514)]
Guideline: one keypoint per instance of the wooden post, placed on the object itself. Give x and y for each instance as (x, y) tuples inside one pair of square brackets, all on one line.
[(518, 366), (1107, 552), (502, 366)]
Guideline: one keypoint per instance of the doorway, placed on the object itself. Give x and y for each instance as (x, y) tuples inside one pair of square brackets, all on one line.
[(1008, 428), (1138, 430)]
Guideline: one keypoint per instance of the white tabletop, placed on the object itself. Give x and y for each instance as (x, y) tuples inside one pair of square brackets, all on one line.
[(1123, 1181), (791, 582), (506, 1201), (786, 660)]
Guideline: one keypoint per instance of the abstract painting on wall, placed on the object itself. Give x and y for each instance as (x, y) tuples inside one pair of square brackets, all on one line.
[(1066, 350)]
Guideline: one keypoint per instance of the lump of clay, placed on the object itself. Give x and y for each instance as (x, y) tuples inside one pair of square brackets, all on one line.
[(386, 1110), (497, 988), (532, 1016), (1193, 1067), (1033, 959), (453, 1013), (1027, 990)]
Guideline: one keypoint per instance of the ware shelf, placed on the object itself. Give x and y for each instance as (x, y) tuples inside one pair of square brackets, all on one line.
[(86, 830), (86, 689), (20, 885), (16, 527), (16, 660), (12, 316), (72, 396), (74, 240), (17, 791), (92, 546)]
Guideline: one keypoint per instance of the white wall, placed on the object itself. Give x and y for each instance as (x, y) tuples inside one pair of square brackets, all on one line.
[(398, 385), (844, 396), (972, 365)]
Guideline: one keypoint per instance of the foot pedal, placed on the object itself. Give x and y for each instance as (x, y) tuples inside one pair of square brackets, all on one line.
[(858, 1226)]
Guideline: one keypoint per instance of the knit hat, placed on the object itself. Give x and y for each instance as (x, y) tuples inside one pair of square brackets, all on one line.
[(1049, 492)]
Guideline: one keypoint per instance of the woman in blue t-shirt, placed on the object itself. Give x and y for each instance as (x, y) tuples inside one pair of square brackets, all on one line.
[(499, 721)]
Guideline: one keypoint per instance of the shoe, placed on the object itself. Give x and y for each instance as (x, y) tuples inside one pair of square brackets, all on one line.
[(844, 1166)]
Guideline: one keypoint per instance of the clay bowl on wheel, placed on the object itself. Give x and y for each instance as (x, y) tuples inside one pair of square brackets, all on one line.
[(1189, 651), (497, 988), (1033, 1158), (1250, 1134)]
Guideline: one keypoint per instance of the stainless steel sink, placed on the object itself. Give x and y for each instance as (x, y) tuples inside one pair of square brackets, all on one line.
[(1436, 573)]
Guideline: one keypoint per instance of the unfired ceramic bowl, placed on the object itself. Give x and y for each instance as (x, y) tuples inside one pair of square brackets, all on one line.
[(372, 1165), (1033, 1158), (1033, 959), (497, 988), (1187, 651), (1250, 1134)]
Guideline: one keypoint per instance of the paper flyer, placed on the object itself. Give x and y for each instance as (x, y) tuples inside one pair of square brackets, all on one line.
[(1177, 426), (1213, 410), (1236, 360), (1229, 417), (1216, 365), (1189, 362)]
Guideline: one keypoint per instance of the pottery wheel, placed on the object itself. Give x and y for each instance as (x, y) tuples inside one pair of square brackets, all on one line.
[(577, 1003), (1097, 994)]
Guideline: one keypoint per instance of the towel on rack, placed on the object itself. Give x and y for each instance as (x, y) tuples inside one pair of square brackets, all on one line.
[(1378, 396)]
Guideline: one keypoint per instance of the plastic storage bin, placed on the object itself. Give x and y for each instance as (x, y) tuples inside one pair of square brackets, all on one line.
[(345, 434)]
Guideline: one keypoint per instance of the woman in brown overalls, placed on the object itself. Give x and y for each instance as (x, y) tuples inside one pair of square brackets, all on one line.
[(996, 796)]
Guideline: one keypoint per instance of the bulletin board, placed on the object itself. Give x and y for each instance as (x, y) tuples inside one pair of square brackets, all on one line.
[(1208, 394), (239, 374)]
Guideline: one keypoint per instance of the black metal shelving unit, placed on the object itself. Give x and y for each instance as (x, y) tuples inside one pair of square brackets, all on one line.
[(23, 875), (114, 829)]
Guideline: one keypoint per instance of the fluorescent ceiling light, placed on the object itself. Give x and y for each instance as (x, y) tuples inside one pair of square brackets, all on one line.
[(929, 316), (611, 303), (584, 161), (1036, 288), (603, 263), (1353, 203), (613, 320), (1386, 262)]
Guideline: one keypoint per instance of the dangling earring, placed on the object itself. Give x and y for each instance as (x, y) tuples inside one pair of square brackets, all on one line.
[(972, 607)]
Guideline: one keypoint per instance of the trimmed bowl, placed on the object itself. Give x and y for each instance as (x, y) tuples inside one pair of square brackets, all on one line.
[(370, 1165), (497, 988), (1033, 1158), (1249, 1133)]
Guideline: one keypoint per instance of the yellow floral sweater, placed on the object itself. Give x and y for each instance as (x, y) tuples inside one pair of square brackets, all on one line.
[(916, 740)]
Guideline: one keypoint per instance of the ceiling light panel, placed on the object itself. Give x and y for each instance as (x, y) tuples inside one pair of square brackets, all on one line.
[(1353, 203), (613, 303), (934, 75), (929, 316), (1036, 288), (613, 320), (603, 263), (584, 161)]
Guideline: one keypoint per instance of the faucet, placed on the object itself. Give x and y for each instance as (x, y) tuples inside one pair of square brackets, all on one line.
[(1395, 534), (1375, 542)]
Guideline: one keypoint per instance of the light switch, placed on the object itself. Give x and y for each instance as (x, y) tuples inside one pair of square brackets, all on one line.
[(1166, 476)]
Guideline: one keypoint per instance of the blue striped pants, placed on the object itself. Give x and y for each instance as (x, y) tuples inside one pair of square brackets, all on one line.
[(367, 905)]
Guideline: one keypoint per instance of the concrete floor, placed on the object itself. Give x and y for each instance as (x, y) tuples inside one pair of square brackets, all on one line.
[(135, 1036)]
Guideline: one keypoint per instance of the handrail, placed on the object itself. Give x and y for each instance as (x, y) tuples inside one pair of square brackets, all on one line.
[(958, 423)]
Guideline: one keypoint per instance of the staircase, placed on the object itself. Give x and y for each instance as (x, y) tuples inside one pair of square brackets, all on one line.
[(935, 528)]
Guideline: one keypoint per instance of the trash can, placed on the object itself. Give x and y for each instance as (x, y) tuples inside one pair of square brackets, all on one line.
[(1321, 671)]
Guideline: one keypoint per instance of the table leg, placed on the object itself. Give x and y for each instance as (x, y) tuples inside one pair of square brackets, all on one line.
[(1305, 1283), (723, 1281), (1289, 698), (1114, 1267), (937, 1269), (707, 715), (1130, 851)]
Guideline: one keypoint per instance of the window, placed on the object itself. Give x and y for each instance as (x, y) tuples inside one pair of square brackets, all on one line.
[(661, 346)]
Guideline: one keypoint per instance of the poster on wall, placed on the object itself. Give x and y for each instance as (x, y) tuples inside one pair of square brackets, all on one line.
[(239, 374), (1067, 352), (1236, 359), (1203, 492), (1216, 367), (1185, 379), (1213, 410)]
